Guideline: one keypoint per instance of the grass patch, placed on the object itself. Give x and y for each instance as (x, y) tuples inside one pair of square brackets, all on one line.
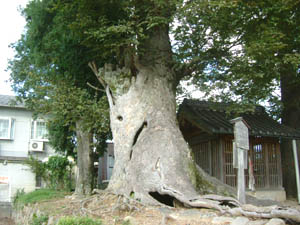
[(39, 220), (79, 221), (38, 196)]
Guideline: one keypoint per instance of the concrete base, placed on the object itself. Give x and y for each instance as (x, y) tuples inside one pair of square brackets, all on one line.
[(276, 195), (5, 209)]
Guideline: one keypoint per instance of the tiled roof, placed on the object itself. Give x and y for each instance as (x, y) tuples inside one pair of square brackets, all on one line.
[(212, 117), (10, 101)]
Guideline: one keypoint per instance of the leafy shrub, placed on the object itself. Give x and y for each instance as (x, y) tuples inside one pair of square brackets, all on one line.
[(37, 167), (56, 172), (78, 221), (39, 220), (59, 169)]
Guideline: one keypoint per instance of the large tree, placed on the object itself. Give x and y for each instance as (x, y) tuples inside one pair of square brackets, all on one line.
[(50, 73), (139, 74), (250, 51)]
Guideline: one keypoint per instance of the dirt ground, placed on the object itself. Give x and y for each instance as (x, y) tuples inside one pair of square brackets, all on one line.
[(6, 221), (115, 210)]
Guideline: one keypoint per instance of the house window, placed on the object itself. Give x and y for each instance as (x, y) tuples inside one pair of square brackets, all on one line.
[(7, 126), (39, 130)]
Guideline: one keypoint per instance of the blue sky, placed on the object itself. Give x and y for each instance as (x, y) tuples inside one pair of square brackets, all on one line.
[(12, 25)]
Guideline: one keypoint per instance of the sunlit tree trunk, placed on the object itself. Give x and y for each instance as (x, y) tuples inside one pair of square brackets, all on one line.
[(84, 176)]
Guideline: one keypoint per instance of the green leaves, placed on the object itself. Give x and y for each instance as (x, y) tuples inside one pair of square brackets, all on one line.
[(55, 172), (241, 47), (50, 70)]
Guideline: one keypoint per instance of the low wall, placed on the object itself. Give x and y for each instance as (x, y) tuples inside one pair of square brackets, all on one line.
[(5, 209), (276, 195)]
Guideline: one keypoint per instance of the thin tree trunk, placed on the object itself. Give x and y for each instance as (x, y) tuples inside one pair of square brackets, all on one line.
[(84, 178), (290, 94)]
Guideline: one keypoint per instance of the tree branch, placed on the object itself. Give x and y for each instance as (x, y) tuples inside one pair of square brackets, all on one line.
[(99, 75), (92, 86), (94, 68), (185, 69), (109, 97)]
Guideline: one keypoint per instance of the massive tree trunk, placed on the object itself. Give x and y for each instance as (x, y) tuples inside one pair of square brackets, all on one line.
[(151, 155), (84, 176), (290, 94), (152, 160)]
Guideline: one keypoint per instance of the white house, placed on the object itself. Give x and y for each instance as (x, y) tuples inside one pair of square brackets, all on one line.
[(20, 136)]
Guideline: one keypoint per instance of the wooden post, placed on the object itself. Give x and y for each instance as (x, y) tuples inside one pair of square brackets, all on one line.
[(210, 157), (241, 177), (222, 160), (296, 168), (240, 151)]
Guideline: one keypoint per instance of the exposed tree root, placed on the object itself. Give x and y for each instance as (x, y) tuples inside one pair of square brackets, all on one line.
[(225, 205), (266, 212), (233, 207)]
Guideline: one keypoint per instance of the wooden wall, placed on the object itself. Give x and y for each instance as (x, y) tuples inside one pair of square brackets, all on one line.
[(215, 156)]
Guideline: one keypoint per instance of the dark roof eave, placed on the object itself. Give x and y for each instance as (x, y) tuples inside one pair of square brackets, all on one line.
[(216, 121), (13, 107)]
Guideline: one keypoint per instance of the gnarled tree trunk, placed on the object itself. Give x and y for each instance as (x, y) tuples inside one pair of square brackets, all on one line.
[(84, 176), (152, 160), (151, 154)]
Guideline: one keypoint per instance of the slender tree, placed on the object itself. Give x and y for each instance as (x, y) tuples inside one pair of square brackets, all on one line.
[(50, 72)]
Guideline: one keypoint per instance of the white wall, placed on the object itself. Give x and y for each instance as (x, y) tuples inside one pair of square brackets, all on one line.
[(17, 147), (19, 177)]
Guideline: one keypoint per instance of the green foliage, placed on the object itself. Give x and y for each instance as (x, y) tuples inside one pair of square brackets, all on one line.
[(59, 172), (19, 194), (79, 221), (60, 135), (50, 72), (39, 219), (37, 167), (38, 196), (56, 172), (242, 49)]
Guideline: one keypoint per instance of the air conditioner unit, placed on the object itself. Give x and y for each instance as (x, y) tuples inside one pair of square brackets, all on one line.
[(36, 146)]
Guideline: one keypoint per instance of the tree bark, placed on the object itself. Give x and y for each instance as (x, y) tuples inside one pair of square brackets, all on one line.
[(153, 162), (151, 155), (290, 94), (84, 178)]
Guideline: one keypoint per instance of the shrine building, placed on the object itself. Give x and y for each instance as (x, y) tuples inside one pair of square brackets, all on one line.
[(207, 128)]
